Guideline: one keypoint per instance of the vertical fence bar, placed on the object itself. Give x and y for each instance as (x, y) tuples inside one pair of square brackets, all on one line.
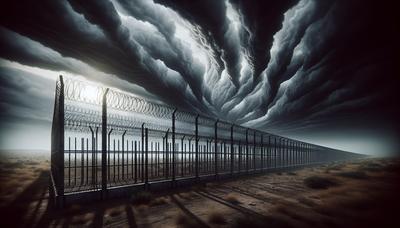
[(93, 150), (82, 176), (262, 152), (123, 158), (87, 161), (247, 150), (216, 148), (190, 150), (225, 155), (96, 149), (254, 151), (268, 159), (104, 146), (173, 146), (75, 149), (286, 152), (147, 159), (197, 145), (136, 162), (275, 153), (166, 158), (142, 154), (182, 154), (232, 150), (114, 161), (240, 157), (108, 156)]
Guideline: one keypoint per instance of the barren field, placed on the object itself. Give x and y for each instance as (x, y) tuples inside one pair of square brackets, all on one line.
[(363, 193)]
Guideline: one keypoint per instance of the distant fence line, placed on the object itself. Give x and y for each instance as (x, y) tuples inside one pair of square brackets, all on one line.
[(106, 139)]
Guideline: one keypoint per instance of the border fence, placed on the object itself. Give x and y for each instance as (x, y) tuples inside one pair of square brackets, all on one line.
[(105, 143)]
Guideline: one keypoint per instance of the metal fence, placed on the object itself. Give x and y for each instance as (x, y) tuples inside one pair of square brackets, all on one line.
[(105, 139)]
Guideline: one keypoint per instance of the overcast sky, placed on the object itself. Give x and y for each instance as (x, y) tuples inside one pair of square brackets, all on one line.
[(320, 71)]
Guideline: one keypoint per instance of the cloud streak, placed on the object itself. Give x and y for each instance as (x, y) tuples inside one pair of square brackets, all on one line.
[(266, 64)]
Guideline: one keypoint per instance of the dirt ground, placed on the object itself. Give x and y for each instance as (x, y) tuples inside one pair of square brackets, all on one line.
[(363, 193)]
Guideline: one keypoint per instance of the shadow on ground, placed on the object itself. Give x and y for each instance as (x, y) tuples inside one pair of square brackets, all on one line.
[(353, 194)]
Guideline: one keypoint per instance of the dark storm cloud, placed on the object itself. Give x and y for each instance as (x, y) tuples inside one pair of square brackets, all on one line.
[(211, 17), (25, 96), (26, 51), (167, 48), (261, 19), (275, 65), (333, 51), (57, 25)]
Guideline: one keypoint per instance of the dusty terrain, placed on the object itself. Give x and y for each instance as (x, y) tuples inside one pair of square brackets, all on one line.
[(362, 193)]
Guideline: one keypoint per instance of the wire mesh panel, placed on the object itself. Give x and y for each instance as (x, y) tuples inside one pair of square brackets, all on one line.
[(105, 138), (156, 155), (82, 169)]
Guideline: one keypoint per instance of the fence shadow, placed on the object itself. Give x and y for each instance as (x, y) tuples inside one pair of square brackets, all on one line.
[(130, 216), (13, 215), (246, 193), (188, 212), (251, 218)]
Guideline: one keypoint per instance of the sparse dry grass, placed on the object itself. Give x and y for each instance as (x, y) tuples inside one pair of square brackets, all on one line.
[(353, 174), (182, 220), (160, 201), (232, 198), (320, 182), (187, 195), (306, 201), (352, 201), (216, 217)]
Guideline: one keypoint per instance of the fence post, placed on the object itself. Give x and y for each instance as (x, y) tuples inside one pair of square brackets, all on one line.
[(146, 180), (57, 146), (254, 151), (166, 155), (216, 148), (104, 146), (301, 153), (290, 153), (197, 146), (224, 156), (262, 152), (240, 157), (247, 150), (142, 154), (182, 154), (286, 153), (298, 153), (275, 153), (82, 160), (93, 150), (280, 152), (190, 155), (108, 152), (232, 150), (173, 147), (269, 152), (123, 160)]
